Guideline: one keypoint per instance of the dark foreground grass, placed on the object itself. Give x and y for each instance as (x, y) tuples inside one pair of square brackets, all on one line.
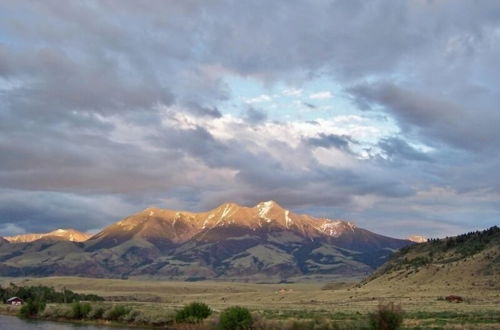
[(159, 315), (412, 320), (455, 318), (310, 314)]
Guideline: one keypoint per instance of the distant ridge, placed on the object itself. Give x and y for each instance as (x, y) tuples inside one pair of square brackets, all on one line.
[(229, 241), (63, 234), (470, 260)]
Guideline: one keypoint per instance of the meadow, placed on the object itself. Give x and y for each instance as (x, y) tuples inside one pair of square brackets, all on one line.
[(312, 305)]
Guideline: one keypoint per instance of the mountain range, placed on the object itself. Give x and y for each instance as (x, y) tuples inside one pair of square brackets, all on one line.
[(230, 241)]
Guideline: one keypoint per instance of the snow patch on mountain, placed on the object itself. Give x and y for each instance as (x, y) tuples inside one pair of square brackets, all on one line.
[(332, 228), (288, 220), (264, 209)]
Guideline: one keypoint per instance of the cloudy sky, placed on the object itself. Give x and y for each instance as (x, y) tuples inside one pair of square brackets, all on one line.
[(384, 113)]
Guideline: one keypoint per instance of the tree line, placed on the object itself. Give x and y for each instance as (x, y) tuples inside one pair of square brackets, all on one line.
[(44, 293)]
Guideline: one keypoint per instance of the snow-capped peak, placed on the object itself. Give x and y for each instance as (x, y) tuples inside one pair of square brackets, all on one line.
[(265, 207)]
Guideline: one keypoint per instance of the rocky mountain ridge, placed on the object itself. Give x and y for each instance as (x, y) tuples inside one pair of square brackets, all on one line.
[(71, 235), (183, 225), (230, 241)]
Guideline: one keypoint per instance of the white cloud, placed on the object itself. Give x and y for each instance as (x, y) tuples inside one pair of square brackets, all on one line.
[(324, 95), (292, 92), (258, 139), (335, 158), (258, 99)]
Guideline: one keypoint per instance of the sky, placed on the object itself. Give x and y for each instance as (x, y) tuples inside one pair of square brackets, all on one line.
[(383, 113)]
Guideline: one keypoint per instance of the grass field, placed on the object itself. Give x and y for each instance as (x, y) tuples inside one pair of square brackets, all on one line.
[(423, 305)]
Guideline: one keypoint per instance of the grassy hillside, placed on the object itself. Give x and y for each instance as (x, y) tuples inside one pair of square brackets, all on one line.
[(468, 260)]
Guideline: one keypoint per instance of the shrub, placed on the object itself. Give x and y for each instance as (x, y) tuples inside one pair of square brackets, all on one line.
[(96, 313), (80, 311), (388, 317), (115, 313), (57, 312), (32, 308), (154, 318), (85, 309), (235, 318), (193, 313), (131, 316)]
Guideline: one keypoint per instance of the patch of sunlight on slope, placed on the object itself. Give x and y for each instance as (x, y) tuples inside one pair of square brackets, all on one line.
[(334, 251), (284, 237), (268, 255)]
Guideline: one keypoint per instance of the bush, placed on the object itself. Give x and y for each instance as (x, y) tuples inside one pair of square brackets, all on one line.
[(96, 313), (131, 316), (57, 312), (388, 317), (193, 313), (115, 313), (32, 308), (80, 311), (154, 318), (235, 318)]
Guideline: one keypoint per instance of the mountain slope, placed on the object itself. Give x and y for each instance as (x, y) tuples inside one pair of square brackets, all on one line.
[(470, 260), (230, 241), (58, 234)]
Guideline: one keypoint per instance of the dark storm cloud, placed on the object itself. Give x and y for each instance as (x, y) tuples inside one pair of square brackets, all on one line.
[(57, 209), (309, 105), (254, 116), (199, 110), (450, 121), (330, 140), (57, 83), (83, 162), (395, 148), (261, 170), (83, 85), (360, 184)]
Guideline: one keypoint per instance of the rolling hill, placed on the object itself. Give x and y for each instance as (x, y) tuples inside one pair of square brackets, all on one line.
[(230, 241), (469, 260)]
